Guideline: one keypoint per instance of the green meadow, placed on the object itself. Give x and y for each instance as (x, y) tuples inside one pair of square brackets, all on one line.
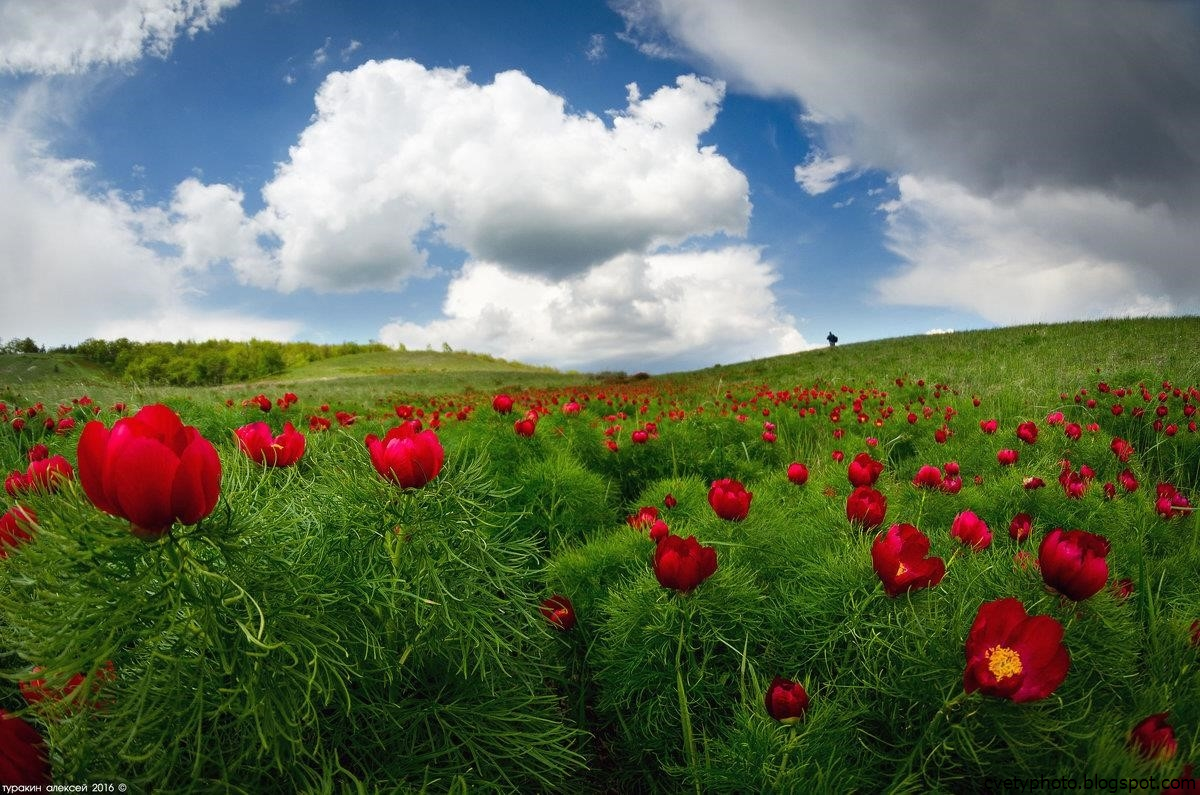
[(322, 628)]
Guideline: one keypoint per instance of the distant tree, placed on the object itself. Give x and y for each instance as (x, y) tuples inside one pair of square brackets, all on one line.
[(26, 345)]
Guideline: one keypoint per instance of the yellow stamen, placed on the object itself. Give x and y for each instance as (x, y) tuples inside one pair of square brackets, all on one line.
[(1003, 662), (901, 570)]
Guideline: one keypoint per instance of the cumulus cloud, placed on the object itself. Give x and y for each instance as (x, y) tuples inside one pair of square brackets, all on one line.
[(398, 155), (66, 37), (634, 312), (996, 95), (83, 263), (1048, 160), (819, 173), (1051, 255)]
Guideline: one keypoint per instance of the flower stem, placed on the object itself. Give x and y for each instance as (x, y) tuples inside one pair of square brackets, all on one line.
[(689, 740)]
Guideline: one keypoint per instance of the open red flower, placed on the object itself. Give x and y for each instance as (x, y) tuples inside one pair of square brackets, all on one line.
[(683, 563), (1154, 738), (729, 499), (1007, 457), (264, 449), (971, 531), (900, 559), (559, 611), (16, 527), (1028, 432), (786, 701), (866, 507), (1013, 655), (150, 469), (643, 517), (864, 470), (23, 757), (407, 455), (1073, 562)]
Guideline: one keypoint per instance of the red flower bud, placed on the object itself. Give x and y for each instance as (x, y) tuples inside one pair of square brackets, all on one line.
[(1073, 562), (683, 563), (559, 611), (407, 456), (786, 701), (729, 499)]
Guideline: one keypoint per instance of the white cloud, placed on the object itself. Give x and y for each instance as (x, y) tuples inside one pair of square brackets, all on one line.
[(398, 155), (1045, 255), (597, 48), (67, 37), (819, 173), (635, 312), (80, 264)]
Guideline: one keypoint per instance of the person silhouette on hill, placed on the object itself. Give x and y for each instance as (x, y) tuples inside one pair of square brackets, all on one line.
[(832, 339)]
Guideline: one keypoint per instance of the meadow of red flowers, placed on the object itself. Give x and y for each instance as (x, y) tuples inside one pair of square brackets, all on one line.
[(651, 585)]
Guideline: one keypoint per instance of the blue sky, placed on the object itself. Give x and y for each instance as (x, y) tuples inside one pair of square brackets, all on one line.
[(640, 185)]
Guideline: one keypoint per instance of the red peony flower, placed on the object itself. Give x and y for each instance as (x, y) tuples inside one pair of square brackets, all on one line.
[(729, 499), (256, 441), (1006, 457), (1013, 655), (899, 558), (1027, 432), (1073, 562), (150, 469), (797, 473), (864, 470), (1121, 449), (1154, 738), (639, 436), (503, 404), (525, 427), (1128, 480), (316, 423), (23, 759), (16, 527), (645, 516), (683, 563), (42, 475), (866, 507), (669, 501), (971, 531), (928, 477), (406, 455), (1021, 526), (1171, 502), (989, 426), (559, 611), (786, 701)]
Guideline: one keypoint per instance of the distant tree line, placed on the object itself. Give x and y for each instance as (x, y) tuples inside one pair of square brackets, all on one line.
[(26, 345), (206, 363)]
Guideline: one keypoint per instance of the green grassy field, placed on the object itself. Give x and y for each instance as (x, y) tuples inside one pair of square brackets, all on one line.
[(321, 627)]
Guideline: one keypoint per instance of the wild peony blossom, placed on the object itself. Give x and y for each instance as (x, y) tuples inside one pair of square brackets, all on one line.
[(502, 404), (1020, 527), (729, 499), (1171, 503), (1073, 562), (16, 527), (149, 469), (864, 470), (928, 477), (407, 455), (683, 563), (1013, 655), (256, 441), (43, 475), (23, 758), (900, 560), (786, 701), (1154, 738), (559, 611), (866, 507), (971, 531), (989, 426), (797, 473), (1007, 457), (1027, 432)]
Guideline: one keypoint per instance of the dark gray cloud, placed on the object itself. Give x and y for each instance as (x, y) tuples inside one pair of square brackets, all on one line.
[(1000, 96)]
